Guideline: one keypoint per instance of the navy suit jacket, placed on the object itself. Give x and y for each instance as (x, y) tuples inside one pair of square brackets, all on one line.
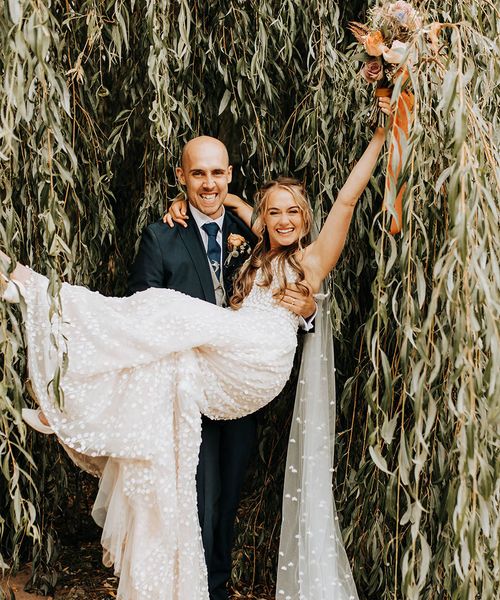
[(175, 258)]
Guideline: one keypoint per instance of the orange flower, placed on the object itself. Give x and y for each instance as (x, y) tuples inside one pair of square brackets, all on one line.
[(234, 241), (374, 43)]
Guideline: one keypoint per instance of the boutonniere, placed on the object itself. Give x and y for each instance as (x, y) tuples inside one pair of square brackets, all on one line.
[(237, 245)]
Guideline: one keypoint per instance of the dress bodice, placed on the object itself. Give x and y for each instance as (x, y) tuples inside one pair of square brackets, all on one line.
[(261, 298)]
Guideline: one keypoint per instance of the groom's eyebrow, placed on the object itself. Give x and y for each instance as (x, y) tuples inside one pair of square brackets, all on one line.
[(200, 170)]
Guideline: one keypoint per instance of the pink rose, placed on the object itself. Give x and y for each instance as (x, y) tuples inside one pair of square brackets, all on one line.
[(372, 70)]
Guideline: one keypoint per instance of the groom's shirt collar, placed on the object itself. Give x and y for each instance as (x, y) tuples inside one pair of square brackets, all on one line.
[(201, 218)]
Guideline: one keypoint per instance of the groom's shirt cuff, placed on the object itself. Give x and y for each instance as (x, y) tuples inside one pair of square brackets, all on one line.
[(308, 324)]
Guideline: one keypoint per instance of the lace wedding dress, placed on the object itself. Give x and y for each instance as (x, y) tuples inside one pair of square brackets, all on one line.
[(141, 372)]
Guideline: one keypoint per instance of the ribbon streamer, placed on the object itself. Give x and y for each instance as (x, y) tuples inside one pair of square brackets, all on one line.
[(400, 131)]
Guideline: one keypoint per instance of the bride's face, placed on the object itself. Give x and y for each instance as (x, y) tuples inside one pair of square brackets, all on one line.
[(283, 218)]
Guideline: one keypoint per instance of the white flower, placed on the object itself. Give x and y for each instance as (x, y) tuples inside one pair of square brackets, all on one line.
[(395, 53)]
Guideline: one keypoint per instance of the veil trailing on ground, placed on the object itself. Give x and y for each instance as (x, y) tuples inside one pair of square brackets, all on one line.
[(312, 561)]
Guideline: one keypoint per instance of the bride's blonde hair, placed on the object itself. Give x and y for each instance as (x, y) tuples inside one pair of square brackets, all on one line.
[(262, 254)]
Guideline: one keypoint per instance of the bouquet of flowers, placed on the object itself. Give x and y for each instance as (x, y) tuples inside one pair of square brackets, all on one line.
[(385, 40)]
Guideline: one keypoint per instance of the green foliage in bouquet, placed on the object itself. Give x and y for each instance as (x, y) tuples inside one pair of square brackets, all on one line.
[(97, 99)]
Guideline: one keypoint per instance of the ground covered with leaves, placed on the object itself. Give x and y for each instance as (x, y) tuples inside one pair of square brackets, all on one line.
[(82, 576)]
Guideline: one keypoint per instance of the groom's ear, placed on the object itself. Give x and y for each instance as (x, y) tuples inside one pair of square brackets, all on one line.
[(230, 173), (180, 175)]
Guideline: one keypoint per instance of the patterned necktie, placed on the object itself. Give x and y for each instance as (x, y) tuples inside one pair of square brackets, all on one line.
[(213, 249)]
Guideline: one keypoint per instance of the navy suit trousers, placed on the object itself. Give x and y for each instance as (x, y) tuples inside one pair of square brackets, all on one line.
[(226, 450)]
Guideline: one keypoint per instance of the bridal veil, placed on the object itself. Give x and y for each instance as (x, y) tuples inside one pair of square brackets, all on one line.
[(312, 561)]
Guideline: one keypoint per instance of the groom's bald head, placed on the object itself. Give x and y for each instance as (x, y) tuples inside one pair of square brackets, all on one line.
[(206, 173), (206, 146)]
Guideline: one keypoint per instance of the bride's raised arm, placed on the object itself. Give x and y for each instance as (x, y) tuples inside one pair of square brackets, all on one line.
[(321, 256)]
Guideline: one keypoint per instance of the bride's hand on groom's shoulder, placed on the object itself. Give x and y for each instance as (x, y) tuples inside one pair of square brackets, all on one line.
[(177, 212), (294, 300)]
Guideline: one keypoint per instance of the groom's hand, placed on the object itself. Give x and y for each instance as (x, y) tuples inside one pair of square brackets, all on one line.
[(294, 300)]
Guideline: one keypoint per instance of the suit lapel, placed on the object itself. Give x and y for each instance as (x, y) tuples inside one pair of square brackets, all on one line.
[(226, 230), (191, 237), (228, 226)]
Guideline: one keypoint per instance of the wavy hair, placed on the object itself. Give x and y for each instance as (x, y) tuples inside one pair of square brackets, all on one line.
[(262, 255)]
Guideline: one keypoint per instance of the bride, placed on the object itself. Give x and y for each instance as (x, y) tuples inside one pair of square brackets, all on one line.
[(143, 369)]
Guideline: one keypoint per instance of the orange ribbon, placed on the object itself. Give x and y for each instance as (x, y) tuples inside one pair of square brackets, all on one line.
[(399, 139)]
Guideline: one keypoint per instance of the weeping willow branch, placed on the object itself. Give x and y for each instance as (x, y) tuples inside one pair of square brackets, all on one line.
[(433, 331)]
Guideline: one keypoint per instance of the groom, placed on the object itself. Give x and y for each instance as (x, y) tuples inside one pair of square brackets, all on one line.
[(194, 260)]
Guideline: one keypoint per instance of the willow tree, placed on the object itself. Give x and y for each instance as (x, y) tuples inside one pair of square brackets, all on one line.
[(98, 97)]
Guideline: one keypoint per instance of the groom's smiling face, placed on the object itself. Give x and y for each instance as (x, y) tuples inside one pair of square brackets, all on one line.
[(206, 173)]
